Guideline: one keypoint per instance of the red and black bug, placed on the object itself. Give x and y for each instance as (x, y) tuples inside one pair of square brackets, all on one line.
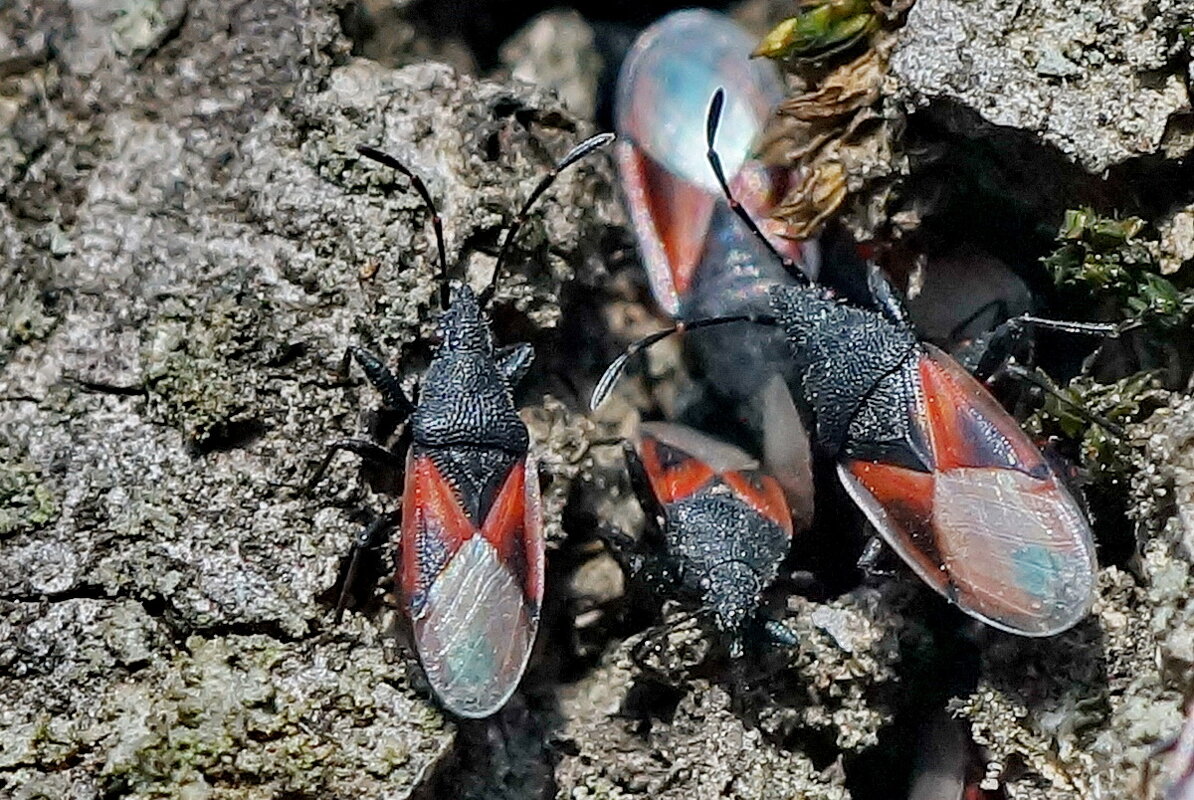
[(470, 545), (949, 765), (934, 462), (700, 259), (717, 528)]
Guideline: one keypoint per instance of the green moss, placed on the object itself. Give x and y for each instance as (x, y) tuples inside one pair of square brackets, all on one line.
[(1098, 419), (25, 502), (1110, 257)]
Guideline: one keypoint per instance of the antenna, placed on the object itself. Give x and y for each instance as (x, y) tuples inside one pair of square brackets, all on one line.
[(614, 370), (420, 187), (712, 121), (575, 154)]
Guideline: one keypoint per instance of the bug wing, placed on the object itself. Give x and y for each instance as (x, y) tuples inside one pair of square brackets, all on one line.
[(473, 595), (663, 94), (682, 462), (671, 217), (990, 525)]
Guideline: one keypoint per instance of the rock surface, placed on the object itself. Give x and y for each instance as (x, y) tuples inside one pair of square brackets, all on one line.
[(189, 242), (1103, 82)]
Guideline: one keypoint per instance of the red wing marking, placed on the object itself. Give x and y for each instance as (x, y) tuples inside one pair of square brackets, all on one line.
[(764, 495), (899, 503), (504, 524), (474, 600), (992, 528), (515, 527), (433, 526), (533, 536), (674, 474), (968, 427), (671, 216)]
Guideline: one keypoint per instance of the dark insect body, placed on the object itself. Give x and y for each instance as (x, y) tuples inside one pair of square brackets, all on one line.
[(470, 545), (930, 457), (717, 529)]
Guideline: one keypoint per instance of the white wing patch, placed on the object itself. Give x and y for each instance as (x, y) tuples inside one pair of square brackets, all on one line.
[(475, 632)]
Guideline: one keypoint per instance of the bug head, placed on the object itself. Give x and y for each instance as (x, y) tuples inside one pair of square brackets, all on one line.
[(462, 326)]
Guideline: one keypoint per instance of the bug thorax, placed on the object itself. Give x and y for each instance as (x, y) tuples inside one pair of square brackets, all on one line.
[(462, 326), (465, 398), (726, 554), (842, 353)]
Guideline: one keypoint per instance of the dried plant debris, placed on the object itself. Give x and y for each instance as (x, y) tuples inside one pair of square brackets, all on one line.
[(1176, 231), (842, 140), (1085, 713)]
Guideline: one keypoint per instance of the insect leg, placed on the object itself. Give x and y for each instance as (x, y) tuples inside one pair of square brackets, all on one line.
[(370, 451), (778, 633), (874, 552), (640, 482), (513, 362), (369, 537), (891, 306), (382, 379), (988, 353), (1038, 380)]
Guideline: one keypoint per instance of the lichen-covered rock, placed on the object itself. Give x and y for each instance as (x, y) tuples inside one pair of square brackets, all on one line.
[(1100, 81), (702, 747), (235, 715), (666, 715)]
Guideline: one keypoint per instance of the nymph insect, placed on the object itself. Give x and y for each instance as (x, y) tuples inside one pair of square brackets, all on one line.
[(470, 545), (929, 456), (717, 528)]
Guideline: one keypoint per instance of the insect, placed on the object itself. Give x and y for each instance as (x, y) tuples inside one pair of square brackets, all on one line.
[(717, 528), (700, 259), (470, 545), (949, 765), (930, 457), (1178, 769)]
